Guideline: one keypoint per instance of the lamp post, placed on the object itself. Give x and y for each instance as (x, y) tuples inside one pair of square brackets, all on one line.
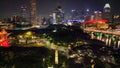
[(43, 62)]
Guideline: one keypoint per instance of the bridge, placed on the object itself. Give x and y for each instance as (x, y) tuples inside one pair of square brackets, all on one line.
[(110, 32), (110, 37)]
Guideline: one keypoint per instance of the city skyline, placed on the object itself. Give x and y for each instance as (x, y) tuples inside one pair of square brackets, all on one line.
[(45, 7)]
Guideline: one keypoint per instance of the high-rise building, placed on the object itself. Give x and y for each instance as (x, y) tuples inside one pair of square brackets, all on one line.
[(33, 12), (54, 18), (107, 12), (59, 15), (23, 13), (98, 15)]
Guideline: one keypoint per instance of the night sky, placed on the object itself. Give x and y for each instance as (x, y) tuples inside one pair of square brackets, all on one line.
[(45, 7)]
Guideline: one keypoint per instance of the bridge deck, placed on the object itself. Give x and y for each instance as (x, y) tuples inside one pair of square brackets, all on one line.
[(113, 32)]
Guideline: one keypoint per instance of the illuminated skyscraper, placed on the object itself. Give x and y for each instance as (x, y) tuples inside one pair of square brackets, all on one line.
[(98, 15), (23, 13), (107, 7), (59, 15), (33, 12), (107, 12)]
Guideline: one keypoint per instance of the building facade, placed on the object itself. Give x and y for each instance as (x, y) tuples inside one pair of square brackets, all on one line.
[(107, 12)]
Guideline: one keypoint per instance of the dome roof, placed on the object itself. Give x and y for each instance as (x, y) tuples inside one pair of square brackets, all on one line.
[(107, 5)]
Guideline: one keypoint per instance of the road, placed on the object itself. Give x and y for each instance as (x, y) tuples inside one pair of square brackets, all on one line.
[(113, 32)]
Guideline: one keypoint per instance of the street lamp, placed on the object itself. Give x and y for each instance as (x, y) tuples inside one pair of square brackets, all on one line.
[(43, 62)]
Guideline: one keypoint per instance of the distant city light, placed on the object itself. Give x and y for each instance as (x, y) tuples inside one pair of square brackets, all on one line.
[(70, 23), (95, 12), (98, 11), (76, 20), (72, 10), (87, 10)]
